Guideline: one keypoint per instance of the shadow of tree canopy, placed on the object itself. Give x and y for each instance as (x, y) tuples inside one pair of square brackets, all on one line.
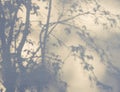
[(16, 77), (31, 65)]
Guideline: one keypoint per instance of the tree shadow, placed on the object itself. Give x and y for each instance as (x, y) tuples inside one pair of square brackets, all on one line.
[(39, 79), (16, 77)]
